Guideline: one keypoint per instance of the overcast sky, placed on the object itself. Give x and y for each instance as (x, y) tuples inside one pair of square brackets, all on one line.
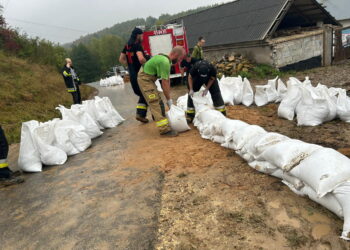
[(44, 18)]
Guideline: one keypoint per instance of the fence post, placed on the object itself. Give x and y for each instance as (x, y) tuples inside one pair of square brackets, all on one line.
[(327, 45)]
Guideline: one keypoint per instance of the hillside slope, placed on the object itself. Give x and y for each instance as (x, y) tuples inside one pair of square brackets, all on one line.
[(123, 29), (30, 92)]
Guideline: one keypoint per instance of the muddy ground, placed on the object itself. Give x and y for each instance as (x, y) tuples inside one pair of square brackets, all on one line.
[(213, 200), (135, 190)]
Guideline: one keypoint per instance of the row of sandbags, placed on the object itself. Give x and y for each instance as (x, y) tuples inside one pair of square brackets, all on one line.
[(50, 143), (111, 81), (322, 174), (310, 105)]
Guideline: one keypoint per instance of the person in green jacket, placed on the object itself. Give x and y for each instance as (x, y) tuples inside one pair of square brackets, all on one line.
[(198, 49)]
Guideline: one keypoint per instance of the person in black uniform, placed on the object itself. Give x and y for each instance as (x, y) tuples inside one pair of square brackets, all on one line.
[(133, 55), (72, 81), (204, 73), (187, 63), (6, 175)]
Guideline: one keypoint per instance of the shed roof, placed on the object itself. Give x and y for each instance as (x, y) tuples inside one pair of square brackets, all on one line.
[(249, 20)]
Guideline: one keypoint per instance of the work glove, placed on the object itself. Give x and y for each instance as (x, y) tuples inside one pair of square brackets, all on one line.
[(170, 102), (191, 93), (205, 92)]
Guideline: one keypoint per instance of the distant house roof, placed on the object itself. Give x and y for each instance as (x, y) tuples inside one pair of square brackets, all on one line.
[(340, 9), (251, 20)]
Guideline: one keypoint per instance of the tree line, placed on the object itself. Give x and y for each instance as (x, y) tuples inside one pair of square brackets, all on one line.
[(34, 50), (93, 55)]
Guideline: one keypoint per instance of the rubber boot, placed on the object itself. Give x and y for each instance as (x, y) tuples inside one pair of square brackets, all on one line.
[(171, 133), (141, 119), (8, 178)]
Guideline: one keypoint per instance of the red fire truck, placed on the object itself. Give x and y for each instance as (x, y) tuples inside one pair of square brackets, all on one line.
[(161, 39)]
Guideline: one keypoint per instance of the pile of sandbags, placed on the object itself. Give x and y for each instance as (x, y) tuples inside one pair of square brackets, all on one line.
[(50, 143), (111, 81), (322, 174), (313, 106), (274, 91), (231, 65), (235, 90)]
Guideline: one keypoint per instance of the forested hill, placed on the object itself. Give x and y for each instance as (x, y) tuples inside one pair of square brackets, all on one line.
[(124, 29)]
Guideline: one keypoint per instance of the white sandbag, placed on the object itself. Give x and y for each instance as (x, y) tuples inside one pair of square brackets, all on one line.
[(291, 187), (227, 87), (297, 183), (261, 97), (79, 115), (343, 106), (263, 167), (259, 144), (271, 92), (323, 170), (287, 154), (342, 194), (331, 102), (70, 136), (281, 90), (29, 156), (230, 126), (89, 107), (329, 201), (238, 90), (306, 83), (248, 94), (218, 139), (182, 102), (201, 102), (312, 109), (244, 135), (45, 137), (289, 103), (159, 86), (208, 121), (177, 119), (117, 118), (106, 115), (246, 156)]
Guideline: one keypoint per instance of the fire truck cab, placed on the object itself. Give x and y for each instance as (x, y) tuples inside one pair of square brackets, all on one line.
[(161, 40)]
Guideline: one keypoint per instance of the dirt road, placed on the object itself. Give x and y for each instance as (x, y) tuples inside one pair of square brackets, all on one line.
[(135, 190)]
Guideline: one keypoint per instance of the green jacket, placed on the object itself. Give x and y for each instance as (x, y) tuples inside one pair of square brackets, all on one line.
[(197, 53)]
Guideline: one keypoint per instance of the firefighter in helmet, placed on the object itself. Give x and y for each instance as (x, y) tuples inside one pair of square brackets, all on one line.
[(204, 73), (133, 55)]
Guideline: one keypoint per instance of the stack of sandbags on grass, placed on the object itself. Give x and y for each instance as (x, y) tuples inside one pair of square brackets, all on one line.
[(51, 142), (322, 174)]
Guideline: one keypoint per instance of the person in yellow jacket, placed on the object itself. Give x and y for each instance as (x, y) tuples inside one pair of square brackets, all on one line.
[(158, 67)]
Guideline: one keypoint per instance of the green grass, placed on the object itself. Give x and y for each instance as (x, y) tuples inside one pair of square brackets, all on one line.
[(30, 92)]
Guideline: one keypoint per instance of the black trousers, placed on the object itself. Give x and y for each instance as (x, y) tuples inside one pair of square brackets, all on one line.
[(141, 108), (4, 146), (216, 96), (76, 96)]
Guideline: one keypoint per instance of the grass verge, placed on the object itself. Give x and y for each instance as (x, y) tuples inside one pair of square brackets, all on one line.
[(30, 92)]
